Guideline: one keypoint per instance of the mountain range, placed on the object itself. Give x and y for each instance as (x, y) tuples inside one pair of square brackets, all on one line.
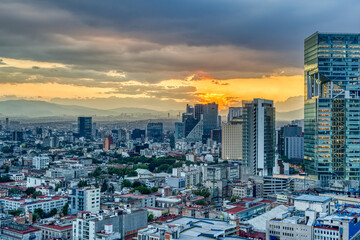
[(34, 109)]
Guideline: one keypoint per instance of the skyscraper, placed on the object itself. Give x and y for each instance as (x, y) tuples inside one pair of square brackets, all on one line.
[(85, 127), (258, 137), (231, 145), (210, 117), (285, 132), (332, 106), (154, 131), (234, 112)]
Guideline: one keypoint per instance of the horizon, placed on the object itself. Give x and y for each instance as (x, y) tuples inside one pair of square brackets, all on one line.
[(116, 55)]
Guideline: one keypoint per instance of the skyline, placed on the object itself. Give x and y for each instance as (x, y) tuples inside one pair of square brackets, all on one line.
[(118, 54)]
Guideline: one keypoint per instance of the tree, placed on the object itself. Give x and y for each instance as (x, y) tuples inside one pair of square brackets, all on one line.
[(30, 191), (13, 191), (82, 183), (36, 194), (97, 172), (132, 173), (5, 178), (202, 192), (40, 212), (57, 186), (16, 212), (53, 212), (141, 189), (150, 217), (104, 187), (126, 183), (201, 202), (111, 188), (136, 184), (65, 209), (154, 189)]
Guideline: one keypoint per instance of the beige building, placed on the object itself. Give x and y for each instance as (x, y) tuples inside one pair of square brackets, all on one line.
[(232, 140)]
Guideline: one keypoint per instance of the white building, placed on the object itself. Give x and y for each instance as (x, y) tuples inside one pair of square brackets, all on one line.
[(294, 147), (231, 143), (29, 205), (84, 199), (319, 204), (17, 176), (41, 162)]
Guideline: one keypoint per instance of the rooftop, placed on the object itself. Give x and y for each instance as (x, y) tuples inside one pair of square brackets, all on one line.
[(312, 198)]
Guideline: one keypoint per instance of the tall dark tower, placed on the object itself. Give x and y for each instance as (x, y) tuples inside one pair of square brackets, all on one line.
[(85, 127)]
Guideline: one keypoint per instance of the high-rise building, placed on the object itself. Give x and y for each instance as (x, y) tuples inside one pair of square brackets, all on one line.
[(258, 137), (138, 134), (84, 199), (179, 130), (85, 127), (332, 106), (210, 117), (154, 131), (234, 113), (231, 145), (290, 130), (198, 111)]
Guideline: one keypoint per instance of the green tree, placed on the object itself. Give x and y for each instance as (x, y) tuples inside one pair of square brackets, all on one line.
[(36, 194), (201, 202), (136, 184), (97, 172), (132, 173), (40, 212), (16, 212), (141, 189), (65, 209), (53, 212), (5, 178), (150, 217), (126, 183), (14, 191), (154, 189), (104, 187), (82, 183), (30, 191), (202, 192)]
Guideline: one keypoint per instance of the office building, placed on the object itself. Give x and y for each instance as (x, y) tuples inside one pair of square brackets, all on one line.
[(291, 142), (210, 117), (138, 134), (117, 224), (107, 143), (231, 145), (84, 199), (189, 123), (85, 127), (179, 130), (154, 132), (234, 113), (41, 162), (258, 137), (332, 106), (29, 205)]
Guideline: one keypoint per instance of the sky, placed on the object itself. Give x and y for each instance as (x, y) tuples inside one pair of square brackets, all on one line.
[(162, 54)]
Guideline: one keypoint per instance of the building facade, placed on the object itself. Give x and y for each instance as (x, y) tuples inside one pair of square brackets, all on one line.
[(85, 127), (258, 137), (231, 145), (332, 106)]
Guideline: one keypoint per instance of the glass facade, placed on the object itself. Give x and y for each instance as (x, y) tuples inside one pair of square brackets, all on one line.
[(332, 106)]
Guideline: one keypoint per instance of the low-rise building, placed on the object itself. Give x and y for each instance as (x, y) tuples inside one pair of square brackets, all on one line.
[(29, 205)]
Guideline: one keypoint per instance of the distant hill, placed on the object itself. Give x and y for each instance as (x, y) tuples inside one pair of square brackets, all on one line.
[(27, 108), (291, 115)]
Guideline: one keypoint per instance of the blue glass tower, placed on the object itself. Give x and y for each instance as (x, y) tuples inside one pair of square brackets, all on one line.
[(332, 106)]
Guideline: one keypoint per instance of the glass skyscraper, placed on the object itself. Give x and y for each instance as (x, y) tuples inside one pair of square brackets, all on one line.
[(85, 127), (332, 106)]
